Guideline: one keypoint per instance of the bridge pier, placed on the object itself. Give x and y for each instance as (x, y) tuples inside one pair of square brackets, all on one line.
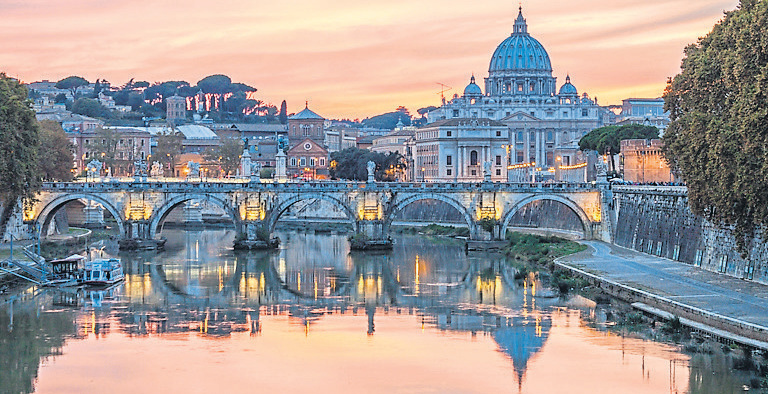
[(371, 235), (136, 237), (93, 216), (255, 235)]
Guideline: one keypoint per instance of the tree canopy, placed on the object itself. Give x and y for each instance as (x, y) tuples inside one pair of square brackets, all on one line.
[(168, 149), (227, 155), (352, 164), (56, 163), (718, 135), (19, 176), (90, 107), (607, 139), (389, 119), (72, 83)]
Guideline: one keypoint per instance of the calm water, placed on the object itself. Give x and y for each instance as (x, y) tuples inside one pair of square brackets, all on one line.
[(199, 318)]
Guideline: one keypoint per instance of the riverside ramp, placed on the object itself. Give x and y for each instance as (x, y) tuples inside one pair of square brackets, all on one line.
[(726, 304)]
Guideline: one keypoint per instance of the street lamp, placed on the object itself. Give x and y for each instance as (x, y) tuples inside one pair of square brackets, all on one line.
[(423, 179)]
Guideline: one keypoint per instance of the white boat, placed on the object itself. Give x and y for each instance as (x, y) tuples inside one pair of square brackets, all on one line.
[(102, 272)]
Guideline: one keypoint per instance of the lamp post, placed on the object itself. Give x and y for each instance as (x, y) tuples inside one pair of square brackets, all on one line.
[(423, 179)]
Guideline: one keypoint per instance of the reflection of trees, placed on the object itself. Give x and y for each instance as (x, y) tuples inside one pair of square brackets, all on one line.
[(33, 337)]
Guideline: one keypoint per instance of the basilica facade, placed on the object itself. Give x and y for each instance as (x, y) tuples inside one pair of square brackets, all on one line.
[(543, 123)]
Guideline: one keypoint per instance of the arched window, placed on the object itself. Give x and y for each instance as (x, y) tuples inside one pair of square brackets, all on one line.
[(473, 158)]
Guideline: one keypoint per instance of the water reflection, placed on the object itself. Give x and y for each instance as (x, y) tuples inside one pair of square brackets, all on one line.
[(424, 305)]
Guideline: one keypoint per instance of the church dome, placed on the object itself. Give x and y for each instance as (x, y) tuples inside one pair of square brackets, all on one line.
[(568, 89), (472, 89), (520, 51)]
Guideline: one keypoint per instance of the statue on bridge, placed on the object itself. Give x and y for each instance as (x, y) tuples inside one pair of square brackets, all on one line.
[(139, 168), (94, 167), (487, 171), (157, 169), (371, 171), (194, 169)]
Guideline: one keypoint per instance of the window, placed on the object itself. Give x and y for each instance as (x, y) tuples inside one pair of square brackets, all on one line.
[(519, 87), (498, 171), (303, 161), (533, 87), (311, 161), (519, 136), (533, 113), (293, 161), (519, 157), (498, 133), (584, 113), (449, 160), (455, 113), (498, 160), (142, 142), (322, 162), (87, 142), (448, 133), (550, 137), (448, 172), (474, 172), (473, 158), (565, 113)]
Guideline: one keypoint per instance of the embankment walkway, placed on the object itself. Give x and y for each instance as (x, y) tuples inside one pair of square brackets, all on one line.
[(721, 301)]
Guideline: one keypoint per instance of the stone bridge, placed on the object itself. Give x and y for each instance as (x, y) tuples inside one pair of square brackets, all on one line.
[(139, 208)]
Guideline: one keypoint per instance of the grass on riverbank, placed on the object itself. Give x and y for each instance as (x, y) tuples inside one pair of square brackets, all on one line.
[(536, 253)]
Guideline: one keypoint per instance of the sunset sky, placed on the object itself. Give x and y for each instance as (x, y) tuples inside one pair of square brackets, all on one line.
[(350, 59)]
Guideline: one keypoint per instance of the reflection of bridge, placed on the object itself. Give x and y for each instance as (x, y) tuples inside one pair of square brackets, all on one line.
[(139, 208)]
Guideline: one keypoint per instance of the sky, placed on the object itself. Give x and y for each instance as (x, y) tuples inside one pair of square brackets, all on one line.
[(350, 58)]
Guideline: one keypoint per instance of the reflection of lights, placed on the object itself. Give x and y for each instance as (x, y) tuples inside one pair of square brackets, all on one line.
[(416, 281)]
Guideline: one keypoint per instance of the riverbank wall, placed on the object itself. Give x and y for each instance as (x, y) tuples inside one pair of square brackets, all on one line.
[(716, 325), (658, 221)]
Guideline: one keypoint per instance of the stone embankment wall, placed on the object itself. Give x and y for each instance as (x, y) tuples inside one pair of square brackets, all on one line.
[(15, 226), (657, 220)]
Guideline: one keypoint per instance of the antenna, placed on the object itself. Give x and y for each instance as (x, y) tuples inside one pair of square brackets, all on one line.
[(443, 88)]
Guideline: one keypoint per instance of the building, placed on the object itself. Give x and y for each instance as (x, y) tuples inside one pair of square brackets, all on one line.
[(645, 111), (340, 137), (128, 144), (70, 122), (543, 122), (308, 160), (176, 109), (643, 162), (306, 124), (457, 150)]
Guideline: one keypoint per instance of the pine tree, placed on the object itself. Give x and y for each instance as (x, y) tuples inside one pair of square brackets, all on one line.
[(283, 113)]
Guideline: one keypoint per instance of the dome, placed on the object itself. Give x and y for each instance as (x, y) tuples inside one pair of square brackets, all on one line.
[(568, 89), (472, 89), (520, 51)]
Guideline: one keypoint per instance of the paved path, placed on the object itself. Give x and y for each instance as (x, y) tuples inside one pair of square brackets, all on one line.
[(717, 293)]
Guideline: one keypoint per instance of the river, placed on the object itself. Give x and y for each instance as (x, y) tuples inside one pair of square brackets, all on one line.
[(313, 317)]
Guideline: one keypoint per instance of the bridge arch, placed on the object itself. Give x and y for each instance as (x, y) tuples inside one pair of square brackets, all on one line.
[(400, 205), (586, 224), (282, 206), (46, 214), (161, 213)]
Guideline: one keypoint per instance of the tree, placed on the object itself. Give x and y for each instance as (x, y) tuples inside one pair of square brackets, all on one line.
[(90, 107), (389, 120), (97, 89), (72, 83), (168, 149), (606, 140), (227, 155), (352, 164), (215, 84), (19, 176), (60, 98), (56, 163), (283, 113), (423, 111), (717, 139)]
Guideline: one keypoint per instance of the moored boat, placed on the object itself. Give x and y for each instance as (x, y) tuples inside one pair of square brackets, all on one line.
[(102, 272)]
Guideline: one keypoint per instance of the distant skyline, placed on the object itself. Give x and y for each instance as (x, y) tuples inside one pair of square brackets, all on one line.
[(350, 59)]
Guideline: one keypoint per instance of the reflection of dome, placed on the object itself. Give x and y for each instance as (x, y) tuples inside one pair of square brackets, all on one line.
[(568, 89), (520, 51), (472, 89), (521, 341)]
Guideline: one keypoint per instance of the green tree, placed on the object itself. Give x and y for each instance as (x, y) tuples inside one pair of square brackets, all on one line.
[(283, 113), (19, 176), (352, 164), (90, 107), (718, 136), (72, 83), (56, 163), (607, 139), (227, 155), (168, 149), (216, 84), (60, 98)]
